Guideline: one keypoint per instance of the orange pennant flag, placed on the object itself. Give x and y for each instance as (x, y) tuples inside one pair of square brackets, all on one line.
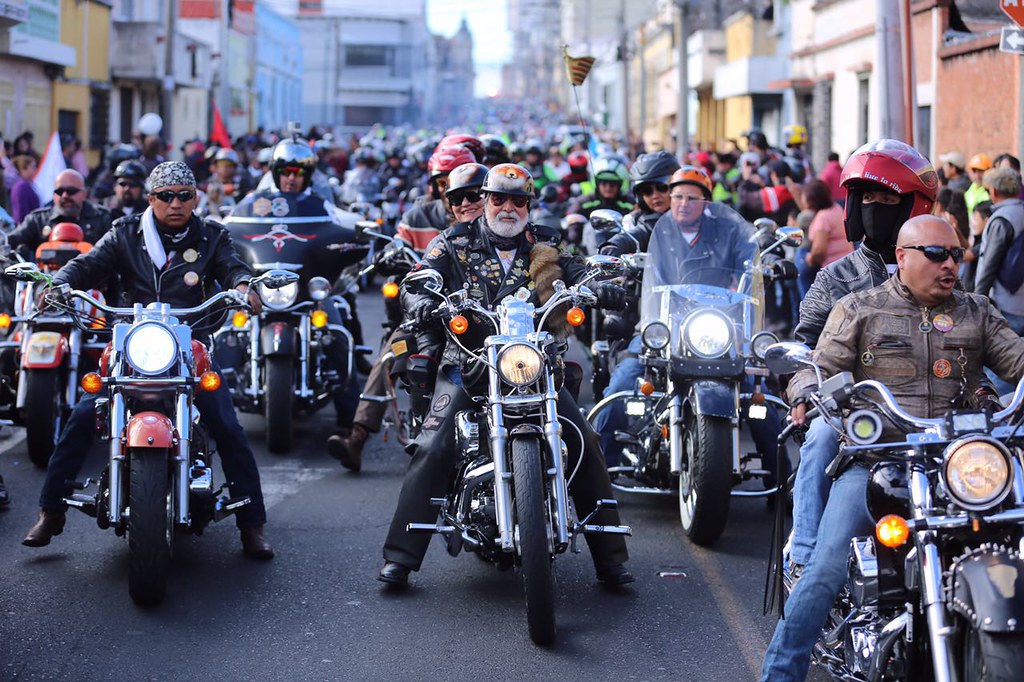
[(576, 68)]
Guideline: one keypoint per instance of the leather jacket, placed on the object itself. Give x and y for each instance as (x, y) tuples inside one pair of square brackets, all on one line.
[(423, 222), (640, 230), (94, 220)]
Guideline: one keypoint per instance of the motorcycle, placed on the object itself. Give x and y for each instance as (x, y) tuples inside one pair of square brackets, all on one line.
[(509, 501), (159, 477), (936, 592), (280, 364), (703, 376)]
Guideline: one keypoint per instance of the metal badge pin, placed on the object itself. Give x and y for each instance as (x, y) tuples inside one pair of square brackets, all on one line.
[(191, 279), (943, 323), (925, 327), (867, 358), (190, 255), (942, 368)]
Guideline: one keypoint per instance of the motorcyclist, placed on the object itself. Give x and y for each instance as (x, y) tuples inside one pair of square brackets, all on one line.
[(234, 182), (69, 205), (579, 175), (164, 254), (115, 155), (395, 167), (650, 176), (129, 190), (533, 161), (423, 222), (362, 183), (495, 150), (493, 256), (795, 136), (609, 174), (466, 203)]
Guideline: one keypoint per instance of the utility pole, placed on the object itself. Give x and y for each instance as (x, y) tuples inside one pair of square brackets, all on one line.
[(682, 112), (641, 49), (624, 57), (169, 81), (891, 93)]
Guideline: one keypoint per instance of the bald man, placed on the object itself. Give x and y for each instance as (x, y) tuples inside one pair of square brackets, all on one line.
[(69, 205), (928, 342)]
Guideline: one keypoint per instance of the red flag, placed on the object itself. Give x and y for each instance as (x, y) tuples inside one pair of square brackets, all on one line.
[(219, 136)]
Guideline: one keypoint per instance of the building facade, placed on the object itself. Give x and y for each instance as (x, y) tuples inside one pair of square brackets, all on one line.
[(279, 69)]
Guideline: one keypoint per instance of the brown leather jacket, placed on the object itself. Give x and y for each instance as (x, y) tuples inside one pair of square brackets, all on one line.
[(877, 334)]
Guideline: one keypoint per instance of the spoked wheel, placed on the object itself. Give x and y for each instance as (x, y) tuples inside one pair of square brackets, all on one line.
[(705, 481), (536, 562), (277, 402), (43, 414), (150, 525)]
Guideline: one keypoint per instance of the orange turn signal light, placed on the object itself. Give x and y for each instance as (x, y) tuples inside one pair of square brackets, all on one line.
[(92, 383), (575, 316), (390, 290), (319, 318), (239, 318), (5, 320), (458, 324), (647, 388), (664, 431), (892, 530), (209, 382)]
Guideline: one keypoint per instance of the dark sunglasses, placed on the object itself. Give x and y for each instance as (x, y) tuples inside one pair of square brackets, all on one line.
[(293, 170), (939, 254), (648, 190), (499, 200), (456, 198), (167, 196), (126, 184), (67, 191)]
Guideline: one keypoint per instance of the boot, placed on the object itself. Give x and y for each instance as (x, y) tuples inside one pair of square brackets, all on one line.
[(254, 544), (349, 450), (50, 523)]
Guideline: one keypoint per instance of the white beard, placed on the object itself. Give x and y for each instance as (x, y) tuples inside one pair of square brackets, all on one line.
[(505, 229)]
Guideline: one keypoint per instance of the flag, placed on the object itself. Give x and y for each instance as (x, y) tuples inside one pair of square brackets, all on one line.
[(50, 166), (219, 136), (576, 68)]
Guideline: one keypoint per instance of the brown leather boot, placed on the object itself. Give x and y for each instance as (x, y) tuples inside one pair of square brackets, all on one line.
[(350, 448), (50, 523), (254, 544)]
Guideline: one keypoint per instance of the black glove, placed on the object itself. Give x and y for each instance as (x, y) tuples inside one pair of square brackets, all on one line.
[(421, 312), (783, 269), (611, 296)]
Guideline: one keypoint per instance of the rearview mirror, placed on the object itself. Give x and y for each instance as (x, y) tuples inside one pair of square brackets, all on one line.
[(787, 357), (605, 267), (26, 272), (790, 236), (427, 278), (275, 279), (361, 229)]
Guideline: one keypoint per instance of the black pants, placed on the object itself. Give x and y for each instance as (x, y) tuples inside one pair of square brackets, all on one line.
[(433, 467)]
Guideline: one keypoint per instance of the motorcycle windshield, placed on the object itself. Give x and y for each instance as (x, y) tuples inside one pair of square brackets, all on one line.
[(702, 255)]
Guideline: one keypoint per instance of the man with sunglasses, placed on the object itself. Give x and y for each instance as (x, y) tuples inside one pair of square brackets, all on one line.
[(69, 205), (129, 194), (928, 343), (493, 257), (166, 254)]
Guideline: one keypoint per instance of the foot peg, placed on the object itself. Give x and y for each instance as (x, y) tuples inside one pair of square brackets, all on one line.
[(610, 530), (436, 501), (428, 528), (626, 438), (83, 503), (225, 506)]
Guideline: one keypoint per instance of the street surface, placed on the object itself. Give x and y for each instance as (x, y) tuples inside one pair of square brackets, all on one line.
[(317, 612)]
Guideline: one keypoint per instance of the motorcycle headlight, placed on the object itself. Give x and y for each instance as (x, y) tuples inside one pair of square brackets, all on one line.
[(708, 333), (151, 348), (978, 473), (278, 299), (519, 364), (655, 335), (319, 288), (759, 344)]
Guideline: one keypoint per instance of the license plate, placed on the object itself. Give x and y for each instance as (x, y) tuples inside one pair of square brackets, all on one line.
[(758, 411), (635, 408)]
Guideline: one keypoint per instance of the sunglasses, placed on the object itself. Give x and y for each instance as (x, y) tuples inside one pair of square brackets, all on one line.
[(939, 254), (293, 170), (128, 185), (167, 196), (499, 200), (67, 191), (648, 190), (456, 198)]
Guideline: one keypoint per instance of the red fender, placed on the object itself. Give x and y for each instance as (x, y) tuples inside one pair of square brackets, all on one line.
[(149, 430), (44, 350)]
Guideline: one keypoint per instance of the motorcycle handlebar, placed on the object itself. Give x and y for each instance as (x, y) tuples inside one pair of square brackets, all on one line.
[(231, 295)]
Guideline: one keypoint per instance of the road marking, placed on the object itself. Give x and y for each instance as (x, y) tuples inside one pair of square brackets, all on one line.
[(15, 437), (280, 481)]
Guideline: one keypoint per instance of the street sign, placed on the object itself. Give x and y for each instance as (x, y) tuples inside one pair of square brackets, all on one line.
[(1013, 9), (1012, 40)]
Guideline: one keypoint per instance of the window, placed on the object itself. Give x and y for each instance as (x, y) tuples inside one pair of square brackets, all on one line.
[(99, 117), (368, 55), (863, 110), (367, 116), (924, 129)]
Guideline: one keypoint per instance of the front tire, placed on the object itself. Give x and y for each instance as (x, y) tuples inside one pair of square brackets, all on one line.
[(705, 482), (536, 562), (993, 656), (150, 525), (42, 411), (277, 402)]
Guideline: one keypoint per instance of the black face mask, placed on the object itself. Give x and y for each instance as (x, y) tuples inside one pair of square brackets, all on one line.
[(881, 223)]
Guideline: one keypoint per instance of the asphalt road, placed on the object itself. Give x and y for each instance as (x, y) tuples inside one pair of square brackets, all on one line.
[(316, 611)]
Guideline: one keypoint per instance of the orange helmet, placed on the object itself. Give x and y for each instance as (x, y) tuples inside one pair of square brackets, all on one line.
[(980, 162), (693, 175), (67, 232)]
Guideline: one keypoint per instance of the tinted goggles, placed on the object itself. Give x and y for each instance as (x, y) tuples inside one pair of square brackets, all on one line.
[(298, 171), (939, 254)]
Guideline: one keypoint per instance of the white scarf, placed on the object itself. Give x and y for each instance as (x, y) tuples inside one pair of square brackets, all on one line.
[(154, 246)]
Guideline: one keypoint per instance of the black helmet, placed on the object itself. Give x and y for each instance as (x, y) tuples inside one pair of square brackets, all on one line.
[(120, 153), (656, 167), (756, 138), (466, 175), (549, 193), (495, 150), (132, 170), (293, 151)]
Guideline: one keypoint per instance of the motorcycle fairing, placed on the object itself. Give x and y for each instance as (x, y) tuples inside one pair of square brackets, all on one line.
[(44, 350), (987, 588), (713, 398), (278, 338), (149, 430)]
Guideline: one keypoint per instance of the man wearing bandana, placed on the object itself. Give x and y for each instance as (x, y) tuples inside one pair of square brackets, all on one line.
[(164, 254), (493, 256)]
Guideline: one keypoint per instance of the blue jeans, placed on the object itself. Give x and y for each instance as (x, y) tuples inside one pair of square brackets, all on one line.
[(613, 418), (1016, 323), (845, 517), (810, 490), (217, 414), (807, 272)]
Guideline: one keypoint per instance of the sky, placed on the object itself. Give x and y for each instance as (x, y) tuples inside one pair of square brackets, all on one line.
[(491, 39)]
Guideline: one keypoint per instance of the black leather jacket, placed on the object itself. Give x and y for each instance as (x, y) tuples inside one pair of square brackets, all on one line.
[(640, 230), (94, 220)]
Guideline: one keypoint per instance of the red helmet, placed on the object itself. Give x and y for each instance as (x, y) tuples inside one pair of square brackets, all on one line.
[(473, 144), (447, 158), (693, 175), (895, 167), (577, 160), (67, 232)]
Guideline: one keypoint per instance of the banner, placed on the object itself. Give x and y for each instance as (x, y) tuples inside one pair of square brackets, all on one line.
[(50, 166), (219, 136), (576, 68)]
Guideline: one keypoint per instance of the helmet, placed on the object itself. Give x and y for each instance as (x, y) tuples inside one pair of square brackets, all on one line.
[(509, 178), (980, 162), (67, 232), (471, 143), (265, 155), (393, 152), (447, 158), (229, 155), (420, 154), (549, 193), (516, 150), (577, 160), (788, 167), (534, 147), (794, 134), (324, 145), (133, 170), (292, 152), (654, 167), (693, 175), (495, 149), (119, 153), (610, 169), (466, 175), (755, 138), (895, 166)]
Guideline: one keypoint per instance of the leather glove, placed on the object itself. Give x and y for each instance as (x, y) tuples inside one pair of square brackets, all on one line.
[(783, 269), (422, 310), (611, 296)]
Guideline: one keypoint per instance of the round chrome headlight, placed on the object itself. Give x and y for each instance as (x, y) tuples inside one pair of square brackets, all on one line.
[(151, 348), (278, 299), (759, 344), (978, 473), (519, 364), (319, 288), (656, 335), (708, 333)]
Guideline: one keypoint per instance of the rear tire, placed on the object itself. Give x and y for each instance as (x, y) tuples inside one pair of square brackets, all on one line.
[(42, 411), (150, 525), (536, 562), (705, 483), (277, 402)]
